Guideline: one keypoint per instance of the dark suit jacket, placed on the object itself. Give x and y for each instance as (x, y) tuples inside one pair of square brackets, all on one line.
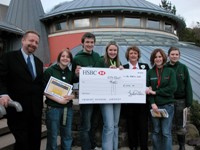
[(16, 81), (130, 109)]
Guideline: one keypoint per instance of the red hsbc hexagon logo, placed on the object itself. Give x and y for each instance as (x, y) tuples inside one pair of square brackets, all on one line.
[(102, 73)]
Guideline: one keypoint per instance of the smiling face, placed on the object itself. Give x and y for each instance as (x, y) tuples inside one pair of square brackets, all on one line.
[(112, 51), (158, 60), (64, 59), (133, 56), (30, 43), (88, 45), (174, 56)]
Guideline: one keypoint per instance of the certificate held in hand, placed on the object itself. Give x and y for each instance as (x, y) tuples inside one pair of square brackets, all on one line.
[(161, 113), (58, 88)]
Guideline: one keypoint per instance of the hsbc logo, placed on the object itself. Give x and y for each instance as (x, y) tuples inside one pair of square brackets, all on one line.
[(102, 73), (89, 72)]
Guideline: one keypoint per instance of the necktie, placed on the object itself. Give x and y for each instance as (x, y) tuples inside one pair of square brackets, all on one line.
[(30, 67), (134, 67)]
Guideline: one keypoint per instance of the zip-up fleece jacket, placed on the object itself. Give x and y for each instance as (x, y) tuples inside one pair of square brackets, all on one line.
[(184, 87), (63, 75), (84, 59), (165, 92), (101, 63)]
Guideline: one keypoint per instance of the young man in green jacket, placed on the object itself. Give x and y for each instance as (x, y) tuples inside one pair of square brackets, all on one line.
[(87, 58), (183, 94)]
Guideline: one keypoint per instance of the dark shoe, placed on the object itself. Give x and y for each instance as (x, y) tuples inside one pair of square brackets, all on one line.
[(134, 148), (182, 147), (181, 142)]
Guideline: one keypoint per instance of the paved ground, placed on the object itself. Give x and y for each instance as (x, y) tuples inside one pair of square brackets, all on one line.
[(175, 147)]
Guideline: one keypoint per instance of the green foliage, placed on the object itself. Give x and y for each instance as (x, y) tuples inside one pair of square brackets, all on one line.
[(168, 6), (195, 114), (190, 35)]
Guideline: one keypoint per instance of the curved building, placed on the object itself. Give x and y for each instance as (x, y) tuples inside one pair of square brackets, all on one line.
[(127, 22)]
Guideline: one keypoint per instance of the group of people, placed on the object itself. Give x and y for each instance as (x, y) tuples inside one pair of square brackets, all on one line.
[(168, 87)]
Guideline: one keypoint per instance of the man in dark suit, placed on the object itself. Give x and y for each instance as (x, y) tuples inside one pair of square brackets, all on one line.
[(136, 114), (20, 83)]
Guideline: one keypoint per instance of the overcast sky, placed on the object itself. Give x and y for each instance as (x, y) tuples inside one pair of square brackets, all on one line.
[(189, 10)]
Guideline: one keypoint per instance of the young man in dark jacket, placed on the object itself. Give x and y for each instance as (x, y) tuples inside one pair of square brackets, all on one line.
[(86, 58), (183, 94)]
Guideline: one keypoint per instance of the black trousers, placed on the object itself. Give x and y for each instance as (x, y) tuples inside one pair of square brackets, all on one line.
[(137, 125), (26, 130)]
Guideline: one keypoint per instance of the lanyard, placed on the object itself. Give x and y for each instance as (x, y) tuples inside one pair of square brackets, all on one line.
[(113, 63), (159, 76)]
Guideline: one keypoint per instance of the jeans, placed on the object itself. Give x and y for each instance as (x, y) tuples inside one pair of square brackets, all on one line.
[(86, 111), (110, 115), (96, 121), (161, 134), (178, 116), (54, 123)]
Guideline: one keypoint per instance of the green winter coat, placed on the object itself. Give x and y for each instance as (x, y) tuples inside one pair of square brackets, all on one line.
[(84, 59), (165, 92), (184, 87), (64, 75), (101, 63)]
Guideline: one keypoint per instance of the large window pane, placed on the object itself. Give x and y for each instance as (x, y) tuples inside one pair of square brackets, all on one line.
[(131, 22), (80, 23), (108, 21), (60, 26), (168, 27), (153, 24)]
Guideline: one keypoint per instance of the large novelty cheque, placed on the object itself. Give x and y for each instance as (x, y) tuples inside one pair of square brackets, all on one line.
[(104, 85)]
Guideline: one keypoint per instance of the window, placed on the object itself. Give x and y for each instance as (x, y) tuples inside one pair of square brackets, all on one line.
[(131, 22), (168, 27), (108, 21), (153, 24), (61, 26), (80, 23)]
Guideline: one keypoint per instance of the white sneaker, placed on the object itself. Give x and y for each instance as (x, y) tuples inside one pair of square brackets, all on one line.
[(96, 148)]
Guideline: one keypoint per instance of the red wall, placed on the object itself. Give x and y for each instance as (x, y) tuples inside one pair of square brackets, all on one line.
[(60, 42)]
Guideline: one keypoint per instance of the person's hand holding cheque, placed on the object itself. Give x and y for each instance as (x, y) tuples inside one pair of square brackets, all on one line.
[(77, 70), (112, 67)]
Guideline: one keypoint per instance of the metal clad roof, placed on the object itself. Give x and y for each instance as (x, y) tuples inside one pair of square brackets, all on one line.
[(101, 5), (26, 14), (4, 26), (190, 55)]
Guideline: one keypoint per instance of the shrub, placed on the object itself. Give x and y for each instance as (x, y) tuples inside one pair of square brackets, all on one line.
[(195, 114)]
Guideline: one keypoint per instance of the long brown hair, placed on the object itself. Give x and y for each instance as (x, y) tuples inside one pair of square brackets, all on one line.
[(107, 58)]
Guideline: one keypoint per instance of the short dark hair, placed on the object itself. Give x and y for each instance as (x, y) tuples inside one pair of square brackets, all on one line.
[(134, 48), (69, 53), (30, 31), (153, 55), (173, 49), (88, 35)]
